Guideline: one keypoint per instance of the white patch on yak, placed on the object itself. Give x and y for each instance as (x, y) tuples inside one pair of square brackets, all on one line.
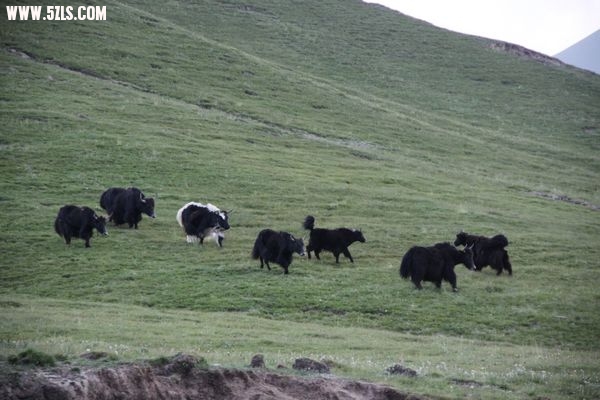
[(215, 233), (213, 208), (192, 239)]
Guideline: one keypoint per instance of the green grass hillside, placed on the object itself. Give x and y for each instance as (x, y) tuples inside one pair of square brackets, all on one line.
[(350, 112)]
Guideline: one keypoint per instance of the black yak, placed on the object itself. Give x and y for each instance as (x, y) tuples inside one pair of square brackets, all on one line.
[(108, 200), (78, 222), (200, 220), (125, 206), (434, 264), (334, 240), (277, 247), (487, 251)]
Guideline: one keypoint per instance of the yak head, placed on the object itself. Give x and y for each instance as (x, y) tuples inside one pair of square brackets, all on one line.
[(468, 257), (224, 220), (358, 236), (461, 239), (146, 205), (100, 224), (293, 244), (218, 220)]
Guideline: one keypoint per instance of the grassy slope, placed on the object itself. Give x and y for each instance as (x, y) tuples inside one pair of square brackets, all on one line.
[(346, 111)]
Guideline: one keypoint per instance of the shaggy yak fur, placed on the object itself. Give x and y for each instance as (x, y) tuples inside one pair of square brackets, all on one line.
[(434, 264), (78, 222), (201, 220), (487, 251), (334, 240), (125, 206), (277, 247)]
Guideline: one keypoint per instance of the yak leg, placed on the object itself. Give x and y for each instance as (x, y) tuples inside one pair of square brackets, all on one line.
[(317, 254), (337, 257), (416, 275), (85, 234), (130, 222), (417, 283), (506, 262), (348, 255), (308, 250), (496, 262), (451, 277)]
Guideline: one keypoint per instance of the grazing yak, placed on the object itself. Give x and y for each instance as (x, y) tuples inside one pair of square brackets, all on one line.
[(334, 240), (487, 251), (434, 263), (125, 206), (200, 220), (79, 222), (277, 247)]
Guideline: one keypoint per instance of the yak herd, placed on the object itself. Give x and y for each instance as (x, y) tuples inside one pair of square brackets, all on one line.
[(432, 263)]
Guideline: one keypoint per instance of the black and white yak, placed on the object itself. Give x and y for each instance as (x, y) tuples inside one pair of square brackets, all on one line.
[(277, 247), (201, 220), (126, 206), (78, 222), (434, 264), (333, 240)]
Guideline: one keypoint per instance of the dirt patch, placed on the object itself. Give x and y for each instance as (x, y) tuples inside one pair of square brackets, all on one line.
[(467, 383), (523, 52), (566, 199), (306, 364), (184, 377), (398, 369)]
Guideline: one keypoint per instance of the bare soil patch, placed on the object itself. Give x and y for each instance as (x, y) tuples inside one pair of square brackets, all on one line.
[(523, 52), (566, 199)]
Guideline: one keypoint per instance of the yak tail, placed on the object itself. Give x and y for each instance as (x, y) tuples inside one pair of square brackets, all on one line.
[(406, 264), (309, 222), (256, 249), (498, 241), (56, 226), (179, 215)]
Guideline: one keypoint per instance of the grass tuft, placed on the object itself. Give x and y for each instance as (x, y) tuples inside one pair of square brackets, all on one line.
[(32, 357)]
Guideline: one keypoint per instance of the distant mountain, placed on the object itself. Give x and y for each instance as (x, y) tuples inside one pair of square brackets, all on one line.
[(584, 54)]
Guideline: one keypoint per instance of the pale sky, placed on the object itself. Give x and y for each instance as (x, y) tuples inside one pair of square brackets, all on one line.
[(546, 26)]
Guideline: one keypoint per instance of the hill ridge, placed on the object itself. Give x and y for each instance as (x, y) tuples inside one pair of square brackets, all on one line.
[(360, 145)]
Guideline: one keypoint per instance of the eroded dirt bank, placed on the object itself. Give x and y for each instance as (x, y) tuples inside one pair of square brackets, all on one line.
[(181, 378)]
